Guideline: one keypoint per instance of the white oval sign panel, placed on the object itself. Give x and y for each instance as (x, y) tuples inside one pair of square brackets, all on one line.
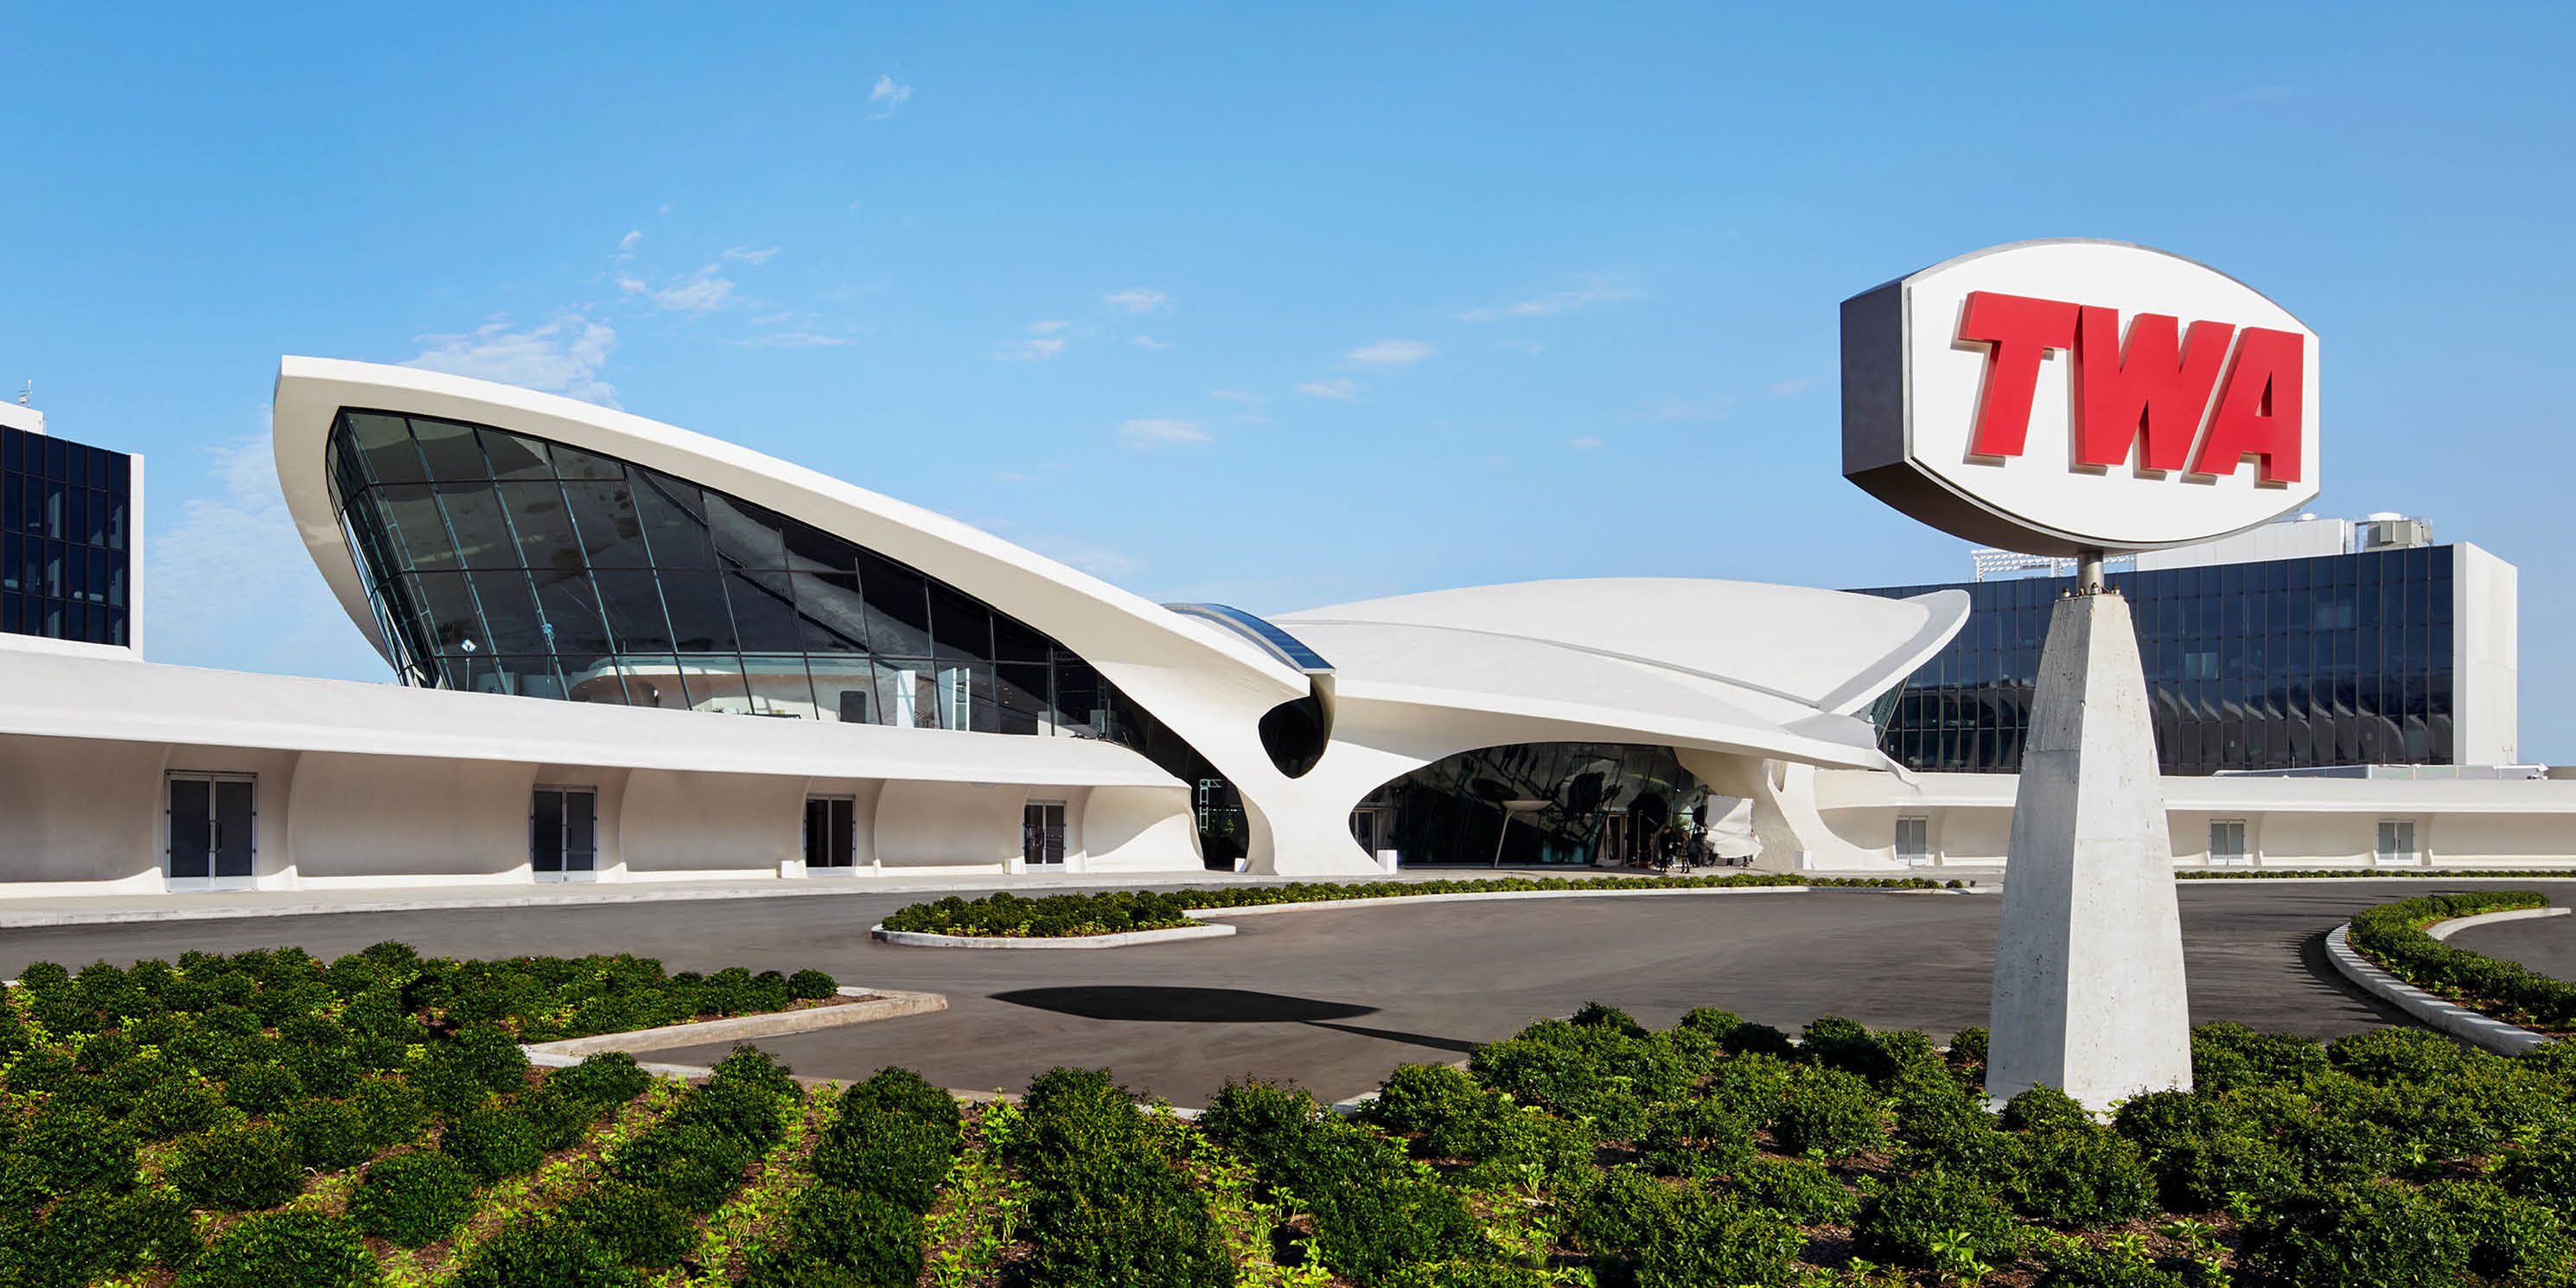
[(2054, 396)]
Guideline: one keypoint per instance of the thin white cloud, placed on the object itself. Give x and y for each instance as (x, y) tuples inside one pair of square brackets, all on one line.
[(769, 319), (1048, 328), (888, 95), (703, 291), (1160, 432), (1137, 299), (631, 284), (226, 589), (1390, 353), (1585, 442), (1599, 288), (1689, 409), (626, 244), (1337, 390), (1236, 395), (746, 255), (1149, 342), (1030, 350), (1089, 558), (1799, 385), (562, 356), (790, 340)]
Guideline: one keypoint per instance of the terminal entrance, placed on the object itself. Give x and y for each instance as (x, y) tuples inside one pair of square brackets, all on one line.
[(213, 827)]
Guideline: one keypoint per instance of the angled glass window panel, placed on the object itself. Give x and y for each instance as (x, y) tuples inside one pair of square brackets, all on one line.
[(542, 525), (450, 451), (509, 612), (483, 537), (1020, 693), (674, 527), (532, 677), (593, 679), (696, 602), (631, 600), (779, 686), (385, 447), (116, 507), (907, 692), (746, 536), (898, 607), (715, 683), (513, 457), (959, 626), (76, 518), (99, 588), (833, 612), (57, 457), (566, 600), (844, 687), (1013, 641), (574, 463), (764, 617), (810, 549), (653, 680), (603, 513)]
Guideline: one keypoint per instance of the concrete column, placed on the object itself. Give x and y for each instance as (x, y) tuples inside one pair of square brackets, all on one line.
[(2088, 990)]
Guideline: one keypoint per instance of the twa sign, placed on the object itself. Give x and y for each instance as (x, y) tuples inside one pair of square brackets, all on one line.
[(2051, 396)]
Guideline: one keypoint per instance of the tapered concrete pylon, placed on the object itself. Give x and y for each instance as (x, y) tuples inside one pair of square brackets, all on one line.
[(2088, 993)]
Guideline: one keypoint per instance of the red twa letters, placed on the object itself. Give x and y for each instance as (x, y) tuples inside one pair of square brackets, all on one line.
[(2155, 387)]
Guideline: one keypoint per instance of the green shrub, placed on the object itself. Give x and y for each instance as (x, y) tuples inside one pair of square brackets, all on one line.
[(2511, 1239), (555, 1121), (1830, 1112), (893, 1158), (2203, 1172), (1374, 1221), (2226, 1056), (332, 1071), (2400, 1055), (1797, 1188), (1698, 1239), (2080, 1265), (541, 1254), (91, 1233), (871, 1243), (2545, 1171), (2337, 1151), (2041, 1108), (262, 1088), (1758, 1039), (1751, 1086), (492, 1143), (2359, 1236), (1949, 1128), (490, 1055), (328, 1135), (1602, 1015), (286, 1250), (604, 1080), (695, 1166), (1699, 1137), (752, 1066), (1422, 1097), (41, 1071), (390, 1112), (811, 985), (733, 1107), (1711, 1023), (1467, 1274), (414, 1199), (2082, 1178), (239, 1168), (1116, 1219), (70, 1148), (176, 1108), (1910, 1218), (905, 1092), (632, 1224), (1609, 1217)]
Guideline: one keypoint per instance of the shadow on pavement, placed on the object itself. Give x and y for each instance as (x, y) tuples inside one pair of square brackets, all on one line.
[(1154, 1004)]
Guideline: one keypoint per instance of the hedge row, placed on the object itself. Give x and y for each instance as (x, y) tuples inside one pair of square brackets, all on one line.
[(1119, 911), (2392, 934), (2370, 874)]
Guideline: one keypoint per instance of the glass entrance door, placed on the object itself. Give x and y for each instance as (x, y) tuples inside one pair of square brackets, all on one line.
[(213, 820), (831, 834), (1042, 834), (563, 831)]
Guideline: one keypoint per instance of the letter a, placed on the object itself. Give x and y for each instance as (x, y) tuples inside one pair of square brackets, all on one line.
[(2261, 411)]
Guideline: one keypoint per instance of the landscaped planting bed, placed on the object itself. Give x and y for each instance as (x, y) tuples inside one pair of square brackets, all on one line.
[(269, 1120), (1113, 912), (2392, 935), (2372, 874)]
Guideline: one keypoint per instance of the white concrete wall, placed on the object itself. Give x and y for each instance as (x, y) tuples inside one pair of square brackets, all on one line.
[(949, 825), (684, 826), (398, 820), (2486, 658), (1138, 829), (80, 816)]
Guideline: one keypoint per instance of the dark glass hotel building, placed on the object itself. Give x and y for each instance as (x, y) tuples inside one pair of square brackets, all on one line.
[(66, 515)]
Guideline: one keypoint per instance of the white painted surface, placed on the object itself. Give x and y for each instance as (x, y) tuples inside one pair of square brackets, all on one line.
[(2459, 1021), (2307, 537), (2446, 929), (2487, 658), (2088, 986)]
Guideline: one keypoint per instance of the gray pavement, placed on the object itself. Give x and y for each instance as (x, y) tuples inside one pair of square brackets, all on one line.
[(1335, 999), (2545, 944)]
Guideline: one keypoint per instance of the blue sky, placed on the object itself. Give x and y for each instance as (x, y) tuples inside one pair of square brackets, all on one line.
[(1280, 306)]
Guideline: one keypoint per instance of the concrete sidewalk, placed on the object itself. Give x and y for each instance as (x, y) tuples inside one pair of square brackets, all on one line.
[(103, 910)]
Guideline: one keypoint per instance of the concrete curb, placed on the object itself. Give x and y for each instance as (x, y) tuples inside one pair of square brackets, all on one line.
[(1475, 896), (2446, 929), (2459, 1021), (1129, 939), (882, 1004)]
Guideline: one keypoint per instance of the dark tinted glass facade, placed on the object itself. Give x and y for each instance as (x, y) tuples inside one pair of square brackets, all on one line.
[(65, 512), (2286, 664), (506, 564), (1537, 803)]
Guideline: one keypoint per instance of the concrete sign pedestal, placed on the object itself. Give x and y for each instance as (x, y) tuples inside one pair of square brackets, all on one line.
[(2088, 990)]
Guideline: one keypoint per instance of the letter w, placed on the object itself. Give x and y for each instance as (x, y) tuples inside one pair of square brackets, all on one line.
[(2155, 387)]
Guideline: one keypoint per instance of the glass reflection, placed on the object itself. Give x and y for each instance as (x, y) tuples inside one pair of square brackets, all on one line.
[(1540, 804)]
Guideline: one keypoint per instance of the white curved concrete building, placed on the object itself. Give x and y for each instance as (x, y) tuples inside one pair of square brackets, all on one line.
[(633, 653)]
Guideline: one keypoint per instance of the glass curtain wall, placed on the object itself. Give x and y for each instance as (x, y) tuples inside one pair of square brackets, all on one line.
[(1535, 804), (2284, 664), (501, 563), (64, 510)]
